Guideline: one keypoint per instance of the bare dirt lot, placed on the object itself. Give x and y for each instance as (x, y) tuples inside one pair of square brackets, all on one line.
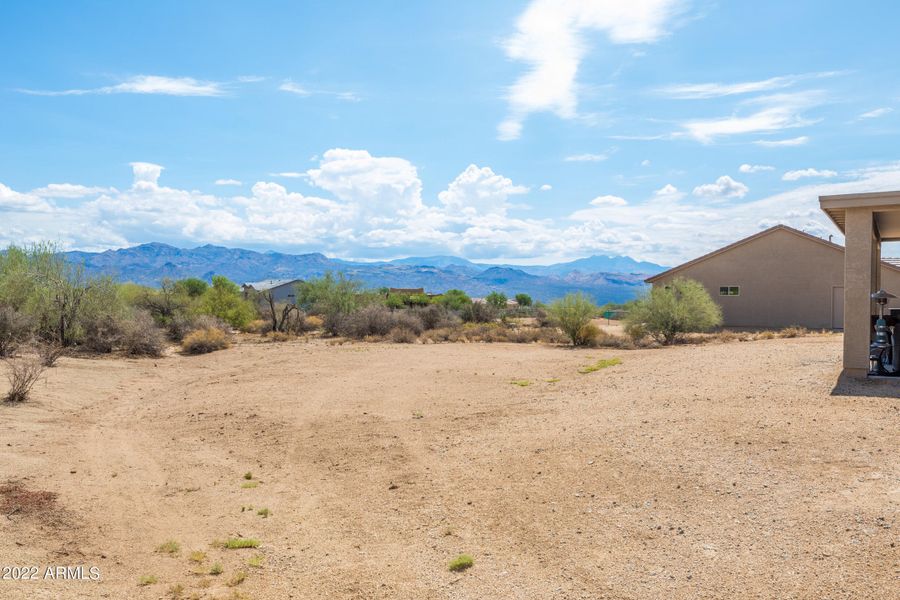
[(716, 471)]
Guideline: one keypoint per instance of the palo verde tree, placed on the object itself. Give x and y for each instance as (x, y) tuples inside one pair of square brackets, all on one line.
[(668, 312)]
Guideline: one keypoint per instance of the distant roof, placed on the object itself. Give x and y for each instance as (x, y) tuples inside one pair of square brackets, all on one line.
[(756, 236), (268, 284)]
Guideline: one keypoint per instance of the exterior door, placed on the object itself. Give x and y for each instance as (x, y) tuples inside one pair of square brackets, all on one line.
[(837, 308)]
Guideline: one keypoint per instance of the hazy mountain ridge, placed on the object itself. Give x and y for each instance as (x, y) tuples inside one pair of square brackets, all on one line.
[(148, 264)]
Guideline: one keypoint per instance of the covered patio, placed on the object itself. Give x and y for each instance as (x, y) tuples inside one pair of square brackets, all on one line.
[(866, 220)]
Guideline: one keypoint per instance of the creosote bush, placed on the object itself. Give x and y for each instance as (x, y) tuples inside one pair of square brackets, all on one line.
[(669, 312), (15, 329), (141, 336), (22, 374), (573, 315), (203, 341)]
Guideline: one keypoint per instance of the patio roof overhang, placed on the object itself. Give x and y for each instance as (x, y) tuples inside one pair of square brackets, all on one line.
[(884, 205)]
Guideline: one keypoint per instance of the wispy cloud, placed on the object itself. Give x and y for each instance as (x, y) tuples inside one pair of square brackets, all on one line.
[(878, 112), (696, 91), (228, 182), (797, 141), (586, 158), (550, 39), (609, 201), (288, 174), (769, 114), (145, 84), (298, 90), (746, 168), (802, 173)]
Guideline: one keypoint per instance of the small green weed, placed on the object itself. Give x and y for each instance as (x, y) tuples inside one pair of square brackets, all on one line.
[(256, 561), (197, 556), (264, 513), (238, 543), (170, 547), (461, 562), (520, 382), (216, 569), (237, 579), (147, 580), (600, 364), (249, 485)]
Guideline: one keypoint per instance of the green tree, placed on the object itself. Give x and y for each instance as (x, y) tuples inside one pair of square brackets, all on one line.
[(668, 312), (454, 299), (573, 315), (192, 287), (496, 299), (223, 299), (523, 299), (332, 297)]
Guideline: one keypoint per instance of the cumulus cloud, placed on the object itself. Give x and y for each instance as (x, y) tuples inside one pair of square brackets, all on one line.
[(228, 182), (13, 201), (801, 173), (724, 187), (145, 84), (546, 187), (550, 39), (608, 201), (145, 173), (479, 190), (668, 192), (747, 168)]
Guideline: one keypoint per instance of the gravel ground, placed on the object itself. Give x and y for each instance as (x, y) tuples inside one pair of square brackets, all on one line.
[(739, 470)]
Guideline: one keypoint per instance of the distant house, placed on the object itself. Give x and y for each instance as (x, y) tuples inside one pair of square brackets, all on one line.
[(283, 290), (776, 278), (510, 302), (406, 291)]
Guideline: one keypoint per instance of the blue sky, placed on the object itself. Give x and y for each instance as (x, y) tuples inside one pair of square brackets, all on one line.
[(514, 131)]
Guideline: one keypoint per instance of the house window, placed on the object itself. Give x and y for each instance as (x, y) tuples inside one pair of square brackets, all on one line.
[(730, 290)]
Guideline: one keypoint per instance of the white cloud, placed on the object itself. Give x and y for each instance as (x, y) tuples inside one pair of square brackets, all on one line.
[(747, 168), (228, 182), (693, 91), (69, 190), (769, 114), (288, 174), (145, 173), (13, 201), (479, 190), (724, 187), (668, 192), (251, 78), (878, 112), (299, 90), (546, 187), (586, 158), (609, 201), (146, 84), (797, 141), (550, 39), (800, 174), (645, 162)]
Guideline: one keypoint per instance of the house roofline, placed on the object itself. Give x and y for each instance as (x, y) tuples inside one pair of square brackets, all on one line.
[(747, 240)]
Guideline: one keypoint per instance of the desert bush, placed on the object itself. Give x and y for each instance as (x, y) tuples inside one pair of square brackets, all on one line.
[(794, 331), (669, 312), (278, 336), (454, 300), (405, 319), (224, 300), (523, 299), (101, 333), (15, 329), (478, 312), (496, 299), (258, 326), (22, 374), (573, 315), (331, 297), (182, 325), (376, 320), (312, 322), (403, 335), (141, 336), (436, 316), (206, 340), (49, 352)]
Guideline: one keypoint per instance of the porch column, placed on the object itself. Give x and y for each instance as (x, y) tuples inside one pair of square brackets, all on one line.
[(862, 262)]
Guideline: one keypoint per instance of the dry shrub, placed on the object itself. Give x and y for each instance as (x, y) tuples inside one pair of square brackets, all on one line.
[(22, 374), (260, 326), (435, 316), (49, 353), (794, 331), (375, 320), (182, 325), (312, 322), (205, 340), (278, 336), (494, 333), (102, 334), (15, 329), (403, 335), (141, 336)]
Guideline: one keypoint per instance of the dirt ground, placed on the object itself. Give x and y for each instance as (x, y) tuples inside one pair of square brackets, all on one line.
[(732, 470)]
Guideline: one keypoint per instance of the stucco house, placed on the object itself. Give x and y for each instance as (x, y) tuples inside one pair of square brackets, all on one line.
[(283, 290), (777, 278)]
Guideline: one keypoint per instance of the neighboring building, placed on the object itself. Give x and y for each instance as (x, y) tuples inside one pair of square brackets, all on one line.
[(283, 290), (777, 278), (406, 291)]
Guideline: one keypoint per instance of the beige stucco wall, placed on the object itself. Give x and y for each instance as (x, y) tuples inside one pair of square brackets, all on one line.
[(785, 279)]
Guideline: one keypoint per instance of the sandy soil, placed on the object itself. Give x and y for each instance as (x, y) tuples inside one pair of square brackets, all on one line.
[(719, 471)]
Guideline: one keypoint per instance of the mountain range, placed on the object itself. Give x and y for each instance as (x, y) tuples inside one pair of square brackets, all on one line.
[(605, 278)]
